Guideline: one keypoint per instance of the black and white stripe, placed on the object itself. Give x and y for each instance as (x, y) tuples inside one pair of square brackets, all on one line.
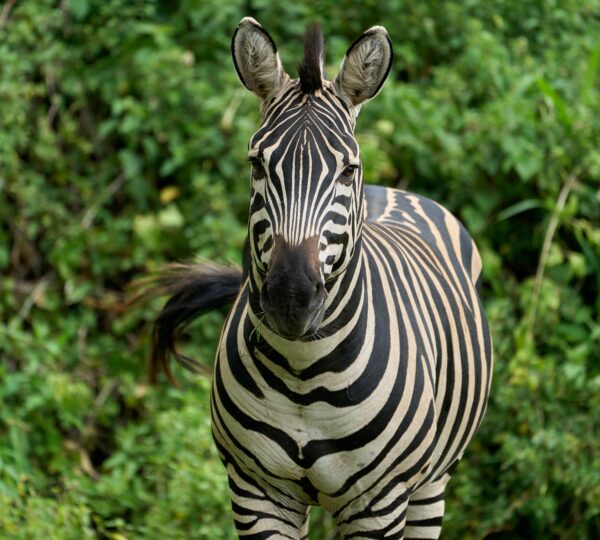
[(355, 364), (368, 419), (306, 140)]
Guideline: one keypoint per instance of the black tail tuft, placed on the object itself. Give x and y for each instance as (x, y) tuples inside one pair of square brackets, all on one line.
[(195, 289)]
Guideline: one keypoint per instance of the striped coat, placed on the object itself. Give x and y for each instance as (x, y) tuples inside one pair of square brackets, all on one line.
[(355, 364), (359, 433)]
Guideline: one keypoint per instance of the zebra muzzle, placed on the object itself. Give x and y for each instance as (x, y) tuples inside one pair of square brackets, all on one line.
[(293, 293), (293, 307)]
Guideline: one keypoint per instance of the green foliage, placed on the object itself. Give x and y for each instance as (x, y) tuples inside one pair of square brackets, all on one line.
[(123, 131)]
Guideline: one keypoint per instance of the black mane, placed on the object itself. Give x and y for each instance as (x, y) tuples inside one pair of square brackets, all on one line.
[(309, 70)]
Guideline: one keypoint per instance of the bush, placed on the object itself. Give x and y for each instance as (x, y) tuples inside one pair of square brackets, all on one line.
[(123, 132)]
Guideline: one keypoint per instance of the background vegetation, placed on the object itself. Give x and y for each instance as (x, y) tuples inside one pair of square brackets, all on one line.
[(123, 131)]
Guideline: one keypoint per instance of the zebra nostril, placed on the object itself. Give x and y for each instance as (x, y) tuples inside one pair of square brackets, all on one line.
[(317, 298), (265, 296)]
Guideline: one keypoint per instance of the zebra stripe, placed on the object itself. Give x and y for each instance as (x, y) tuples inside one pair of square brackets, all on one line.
[(366, 414), (294, 203), (415, 412), (355, 365)]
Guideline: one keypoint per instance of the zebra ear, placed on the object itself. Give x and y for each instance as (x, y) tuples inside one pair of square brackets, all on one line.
[(365, 67), (256, 59)]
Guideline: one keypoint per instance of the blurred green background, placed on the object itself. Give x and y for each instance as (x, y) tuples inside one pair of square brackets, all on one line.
[(123, 132)]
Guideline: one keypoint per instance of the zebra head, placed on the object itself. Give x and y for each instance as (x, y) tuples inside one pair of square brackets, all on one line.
[(306, 205)]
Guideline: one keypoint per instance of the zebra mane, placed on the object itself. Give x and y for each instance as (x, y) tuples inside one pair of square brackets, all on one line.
[(310, 70)]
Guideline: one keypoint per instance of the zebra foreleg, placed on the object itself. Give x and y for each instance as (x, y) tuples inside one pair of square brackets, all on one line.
[(425, 511), (258, 516), (260, 519), (382, 517)]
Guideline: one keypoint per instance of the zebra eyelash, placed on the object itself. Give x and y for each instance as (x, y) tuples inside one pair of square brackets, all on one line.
[(258, 169), (346, 178)]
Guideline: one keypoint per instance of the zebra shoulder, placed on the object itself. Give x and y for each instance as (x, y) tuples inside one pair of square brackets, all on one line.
[(430, 220)]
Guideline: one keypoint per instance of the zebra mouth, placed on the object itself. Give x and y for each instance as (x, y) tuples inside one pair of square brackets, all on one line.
[(298, 327), (295, 326), (296, 331)]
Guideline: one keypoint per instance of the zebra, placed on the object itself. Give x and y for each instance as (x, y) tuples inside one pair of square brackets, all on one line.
[(355, 364)]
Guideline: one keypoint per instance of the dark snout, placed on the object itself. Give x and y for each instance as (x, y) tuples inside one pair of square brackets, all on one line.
[(293, 294)]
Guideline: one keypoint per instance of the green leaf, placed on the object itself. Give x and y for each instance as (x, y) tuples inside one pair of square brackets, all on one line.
[(591, 72), (560, 105), (518, 208), (79, 8)]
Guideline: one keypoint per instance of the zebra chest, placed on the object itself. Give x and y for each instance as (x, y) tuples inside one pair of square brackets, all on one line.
[(319, 435), (292, 443), (321, 444)]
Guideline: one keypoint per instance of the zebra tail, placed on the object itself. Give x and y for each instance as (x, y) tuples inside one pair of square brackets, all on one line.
[(194, 289)]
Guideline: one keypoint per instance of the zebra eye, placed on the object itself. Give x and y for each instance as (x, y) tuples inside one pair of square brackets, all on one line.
[(347, 175), (258, 170)]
